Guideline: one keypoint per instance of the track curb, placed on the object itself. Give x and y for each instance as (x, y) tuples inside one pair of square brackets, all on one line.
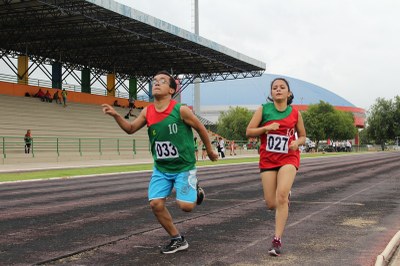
[(384, 258)]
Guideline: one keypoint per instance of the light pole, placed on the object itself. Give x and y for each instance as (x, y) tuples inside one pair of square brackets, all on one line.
[(197, 99)]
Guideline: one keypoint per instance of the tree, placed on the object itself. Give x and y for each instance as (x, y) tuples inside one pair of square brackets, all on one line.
[(322, 121), (396, 116), (345, 128), (383, 121), (364, 138), (232, 124)]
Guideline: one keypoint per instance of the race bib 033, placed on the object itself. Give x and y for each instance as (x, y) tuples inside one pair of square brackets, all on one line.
[(165, 150)]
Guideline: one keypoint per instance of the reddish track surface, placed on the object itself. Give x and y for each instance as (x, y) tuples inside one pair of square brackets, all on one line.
[(344, 211)]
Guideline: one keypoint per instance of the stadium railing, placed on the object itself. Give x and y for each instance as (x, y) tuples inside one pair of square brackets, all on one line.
[(57, 146)]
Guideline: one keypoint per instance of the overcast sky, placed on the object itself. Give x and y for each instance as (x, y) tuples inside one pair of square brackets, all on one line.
[(351, 48)]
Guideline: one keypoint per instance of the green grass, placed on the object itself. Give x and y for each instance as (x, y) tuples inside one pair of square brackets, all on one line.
[(102, 170), (46, 174), (65, 173)]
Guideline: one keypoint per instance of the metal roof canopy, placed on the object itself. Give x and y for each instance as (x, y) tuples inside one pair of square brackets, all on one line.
[(113, 38)]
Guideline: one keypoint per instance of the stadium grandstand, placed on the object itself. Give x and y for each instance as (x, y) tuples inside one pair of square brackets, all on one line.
[(43, 44), (108, 40)]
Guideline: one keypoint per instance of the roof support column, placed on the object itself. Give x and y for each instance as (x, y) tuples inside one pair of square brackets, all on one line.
[(111, 84), (197, 99), (23, 69), (85, 77), (56, 75), (133, 88), (178, 95)]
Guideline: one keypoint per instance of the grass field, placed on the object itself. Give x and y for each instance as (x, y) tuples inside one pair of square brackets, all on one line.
[(65, 173)]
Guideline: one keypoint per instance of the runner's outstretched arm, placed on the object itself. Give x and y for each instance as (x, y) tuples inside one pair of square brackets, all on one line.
[(128, 127)]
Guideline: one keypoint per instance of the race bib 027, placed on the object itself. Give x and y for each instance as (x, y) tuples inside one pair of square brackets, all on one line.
[(166, 150), (277, 143)]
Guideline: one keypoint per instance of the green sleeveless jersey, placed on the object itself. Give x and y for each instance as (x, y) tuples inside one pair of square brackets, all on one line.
[(171, 140)]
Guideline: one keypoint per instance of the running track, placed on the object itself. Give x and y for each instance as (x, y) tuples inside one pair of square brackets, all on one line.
[(344, 211)]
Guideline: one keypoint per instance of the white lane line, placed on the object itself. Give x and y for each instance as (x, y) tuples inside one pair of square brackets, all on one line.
[(333, 204), (256, 242), (328, 202)]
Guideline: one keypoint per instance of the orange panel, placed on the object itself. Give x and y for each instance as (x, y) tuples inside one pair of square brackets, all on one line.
[(77, 97)]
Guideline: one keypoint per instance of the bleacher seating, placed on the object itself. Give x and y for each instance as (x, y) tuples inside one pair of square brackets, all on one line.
[(53, 120), (50, 119)]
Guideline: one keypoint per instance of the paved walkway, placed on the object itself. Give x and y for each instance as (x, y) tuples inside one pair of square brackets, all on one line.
[(37, 166), (25, 167)]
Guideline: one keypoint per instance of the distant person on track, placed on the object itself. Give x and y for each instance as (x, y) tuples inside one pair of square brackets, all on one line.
[(203, 151), (221, 147), (232, 146), (171, 138), (277, 123)]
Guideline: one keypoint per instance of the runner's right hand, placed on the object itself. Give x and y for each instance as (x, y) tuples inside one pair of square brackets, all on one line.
[(108, 109)]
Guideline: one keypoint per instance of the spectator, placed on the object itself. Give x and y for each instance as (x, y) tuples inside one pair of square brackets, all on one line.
[(215, 143), (64, 94), (116, 104), (131, 103), (334, 146), (47, 97), (131, 107), (203, 150), (130, 113), (28, 141), (232, 146), (221, 145), (40, 95), (56, 97), (348, 146)]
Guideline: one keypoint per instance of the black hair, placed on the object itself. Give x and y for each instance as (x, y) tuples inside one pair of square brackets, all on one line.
[(172, 82), (291, 96)]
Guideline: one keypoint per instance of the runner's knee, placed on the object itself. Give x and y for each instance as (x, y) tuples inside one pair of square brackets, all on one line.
[(270, 205), (185, 206), (157, 205), (282, 198)]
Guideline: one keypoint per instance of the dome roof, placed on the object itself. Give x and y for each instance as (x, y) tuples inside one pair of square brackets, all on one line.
[(254, 91)]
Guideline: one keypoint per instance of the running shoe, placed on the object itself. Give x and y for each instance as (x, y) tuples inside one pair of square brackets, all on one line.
[(275, 249), (175, 245), (200, 194)]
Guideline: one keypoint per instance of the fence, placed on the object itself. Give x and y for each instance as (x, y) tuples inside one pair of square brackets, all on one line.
[(68, 145)]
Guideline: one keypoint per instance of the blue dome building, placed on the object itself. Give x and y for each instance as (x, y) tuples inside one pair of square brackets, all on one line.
[(252, 92)]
